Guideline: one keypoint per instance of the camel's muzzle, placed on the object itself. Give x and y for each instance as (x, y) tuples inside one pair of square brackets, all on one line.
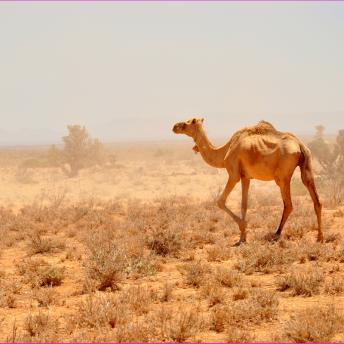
[(177, 129)]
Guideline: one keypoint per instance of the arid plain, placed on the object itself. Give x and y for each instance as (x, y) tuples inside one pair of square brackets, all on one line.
[(136, 250)]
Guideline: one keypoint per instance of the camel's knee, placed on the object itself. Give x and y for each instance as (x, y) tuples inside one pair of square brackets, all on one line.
[(221, 203)]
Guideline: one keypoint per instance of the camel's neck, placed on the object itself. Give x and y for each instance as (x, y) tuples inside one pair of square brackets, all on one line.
[(214, 156)]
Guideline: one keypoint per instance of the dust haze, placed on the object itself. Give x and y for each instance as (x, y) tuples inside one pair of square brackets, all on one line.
[(109, 222)]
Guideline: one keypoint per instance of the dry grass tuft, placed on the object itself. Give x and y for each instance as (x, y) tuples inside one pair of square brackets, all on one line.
[(39, 273), (219, 318), (101, 311), (218, 252), (165, 242), (183, 324), (8, 291), (257, 257), (40, 327), (260, 306), (39, 244), (334, 286), (316, 324), (139, 299), (111, 257), (213, 292), (237, 335), (105, 264), (303, 281), (195, 273), (228, 278), (46, 296)]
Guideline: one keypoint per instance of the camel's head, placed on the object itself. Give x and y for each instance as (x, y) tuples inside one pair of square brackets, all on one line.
[(189, 127)]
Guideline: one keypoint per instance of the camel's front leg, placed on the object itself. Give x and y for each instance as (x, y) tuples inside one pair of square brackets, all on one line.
[(245, 184), (222, 205)]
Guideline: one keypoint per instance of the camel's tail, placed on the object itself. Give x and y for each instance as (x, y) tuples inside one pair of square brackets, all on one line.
[(305, 163)]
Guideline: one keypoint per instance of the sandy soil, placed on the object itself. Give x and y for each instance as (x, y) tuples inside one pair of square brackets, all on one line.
[(156, 202)]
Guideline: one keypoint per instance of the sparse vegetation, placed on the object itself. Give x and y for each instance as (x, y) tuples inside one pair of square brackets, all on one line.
[(305, 281), (39, 273), (331, 158), (315, 324), (79, 264)]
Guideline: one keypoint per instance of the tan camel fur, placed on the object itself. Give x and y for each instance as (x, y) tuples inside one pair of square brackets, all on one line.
[(259, 152), (195, 149)]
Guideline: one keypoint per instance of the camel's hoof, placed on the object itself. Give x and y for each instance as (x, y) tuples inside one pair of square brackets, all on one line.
[(275, 237), (239, 243), (320, 238)]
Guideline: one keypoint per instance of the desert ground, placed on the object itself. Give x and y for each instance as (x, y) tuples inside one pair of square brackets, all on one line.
[(137, 250)]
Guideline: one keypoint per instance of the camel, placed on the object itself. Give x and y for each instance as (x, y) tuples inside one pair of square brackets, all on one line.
[(195, 149), (258, 152)]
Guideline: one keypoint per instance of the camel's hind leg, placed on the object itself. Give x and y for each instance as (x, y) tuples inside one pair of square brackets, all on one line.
[(288, 206), (308, 181), (222, 205)]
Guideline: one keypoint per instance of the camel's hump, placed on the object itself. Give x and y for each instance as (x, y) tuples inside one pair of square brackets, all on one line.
[(262, 128)]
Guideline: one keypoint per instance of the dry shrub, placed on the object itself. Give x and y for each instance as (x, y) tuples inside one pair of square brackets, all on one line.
[(164, 233), (105, 264), (301, 220), (138, 299), (165, 241), (40, 328), (7, 299), (263, 218), (195, 273), (136, 331), (12, 228), (334, 286), (174, 224), (240, 293), (335, 238), (39, 273), (228, 278), (303, 281), (8, 290), (110, 257), (39, 244), (98, 311), (261, 306), (74, 253), (318, 252), (235, 335), (267, 258), (218, 252), (315, 324), (46, 296), (213, 292), (182, 324), (219, 318)]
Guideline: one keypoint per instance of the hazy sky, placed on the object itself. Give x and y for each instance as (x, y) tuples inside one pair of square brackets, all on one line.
[(130, 70)]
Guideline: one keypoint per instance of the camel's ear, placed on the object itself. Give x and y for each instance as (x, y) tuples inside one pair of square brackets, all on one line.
[(194, 121), (202, 120)]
